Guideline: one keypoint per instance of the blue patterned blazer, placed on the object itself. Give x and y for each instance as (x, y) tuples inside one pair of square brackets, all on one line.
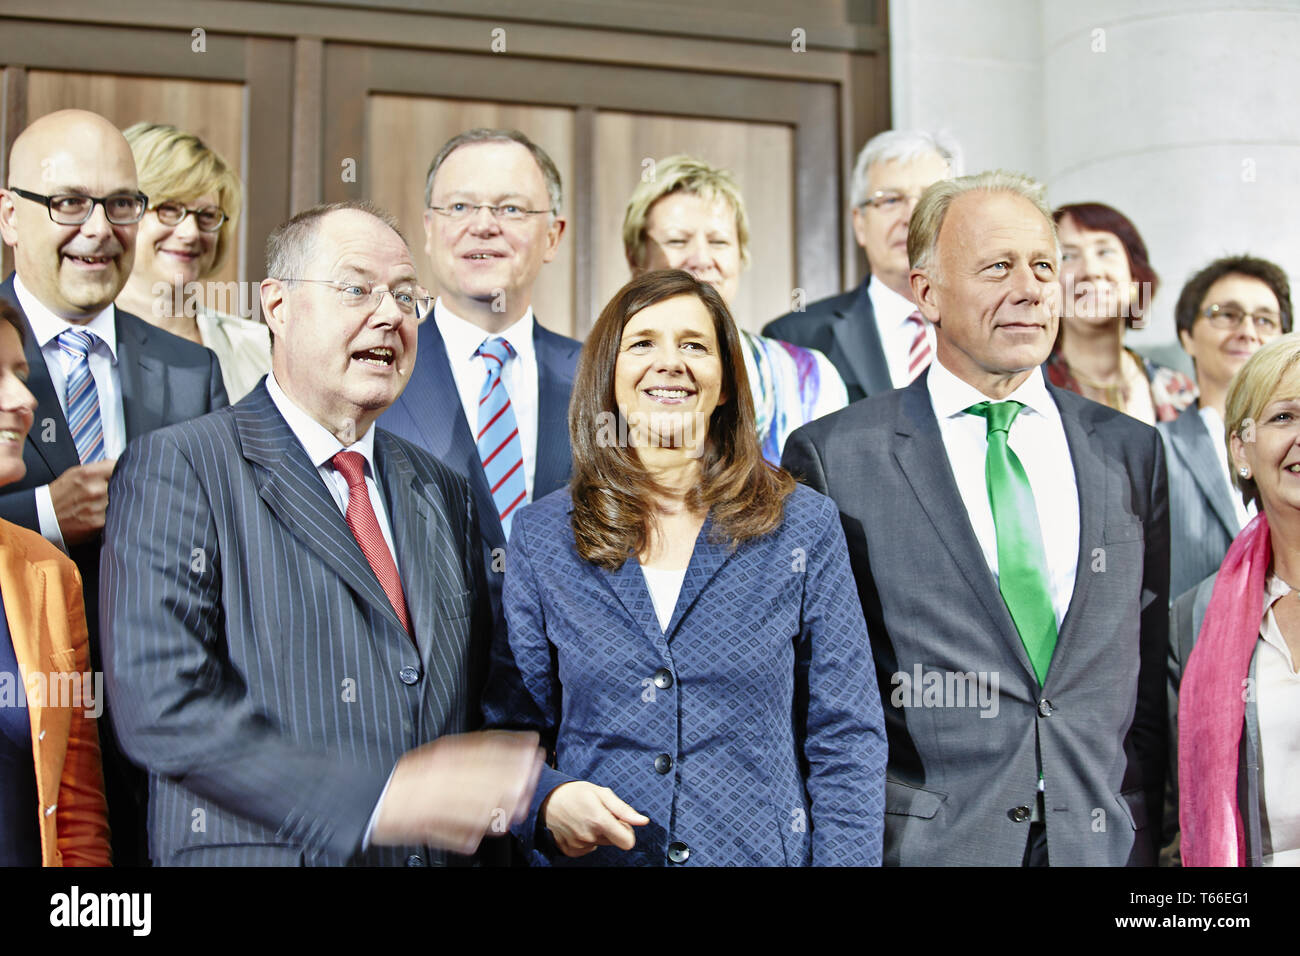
[(750, 732), (256, 667)]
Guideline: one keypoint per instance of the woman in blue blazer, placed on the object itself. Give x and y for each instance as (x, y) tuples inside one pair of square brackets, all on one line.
[(684, 628)]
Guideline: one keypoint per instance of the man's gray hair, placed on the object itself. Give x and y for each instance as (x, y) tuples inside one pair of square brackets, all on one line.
[(554, 188), (290, 247), (927, 218), (903, 145)]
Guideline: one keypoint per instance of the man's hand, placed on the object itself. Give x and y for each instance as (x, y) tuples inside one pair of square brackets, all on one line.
[(582, 816), (80, 499), (450, 792)]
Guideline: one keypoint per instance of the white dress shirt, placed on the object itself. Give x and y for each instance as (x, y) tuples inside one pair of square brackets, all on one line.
[(462, 339), (665, 586), (102, 359), (1277, 705), (321, 446), (1214, 425), (896, 333), (1038, 439)]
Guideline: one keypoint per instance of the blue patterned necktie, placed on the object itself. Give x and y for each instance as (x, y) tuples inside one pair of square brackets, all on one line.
[(83, 398), (498, 435)]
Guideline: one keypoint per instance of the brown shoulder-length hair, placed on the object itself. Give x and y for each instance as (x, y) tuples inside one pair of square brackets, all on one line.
[(612, 492)]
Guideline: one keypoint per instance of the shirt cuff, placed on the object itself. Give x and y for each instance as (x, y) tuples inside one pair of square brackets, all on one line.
[(374, 816), (47, 519)]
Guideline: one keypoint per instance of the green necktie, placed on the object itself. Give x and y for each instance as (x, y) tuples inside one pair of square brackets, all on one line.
[(1022, 562)]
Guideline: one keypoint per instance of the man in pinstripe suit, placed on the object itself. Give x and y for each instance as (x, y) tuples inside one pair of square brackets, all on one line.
[(294, 611)]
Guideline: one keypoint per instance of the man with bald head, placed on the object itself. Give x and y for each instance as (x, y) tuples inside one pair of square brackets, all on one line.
[(1011, 546), (101, 377)]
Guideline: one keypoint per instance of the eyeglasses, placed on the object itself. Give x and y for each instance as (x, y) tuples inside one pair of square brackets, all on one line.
[(509, 212), (889, 200), (365, 295), (208, 219), (1231, 317), (72, 209)]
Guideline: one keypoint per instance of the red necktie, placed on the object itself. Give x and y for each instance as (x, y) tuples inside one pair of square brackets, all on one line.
[(365, 528), (918, 356)]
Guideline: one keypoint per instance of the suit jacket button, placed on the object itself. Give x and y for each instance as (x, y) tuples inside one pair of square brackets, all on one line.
[(415, 860), (678, 852), (1045, 707), (1020, 814), (408, 674), (663, 763), (663, 678)]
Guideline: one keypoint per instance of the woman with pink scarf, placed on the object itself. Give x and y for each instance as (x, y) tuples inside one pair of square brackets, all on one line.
[(1235, 641)]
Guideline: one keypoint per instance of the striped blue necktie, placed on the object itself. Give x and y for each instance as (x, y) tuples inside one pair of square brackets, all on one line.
[(83, 398), (498, 435)]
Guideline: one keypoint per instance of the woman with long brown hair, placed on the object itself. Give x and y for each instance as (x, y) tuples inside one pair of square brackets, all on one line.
[(684, 629)]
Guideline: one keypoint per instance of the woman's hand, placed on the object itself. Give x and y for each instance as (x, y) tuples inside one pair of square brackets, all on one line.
[(582, 816)]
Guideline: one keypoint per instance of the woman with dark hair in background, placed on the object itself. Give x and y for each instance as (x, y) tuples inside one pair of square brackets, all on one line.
[(1107, 285), (684, 628)]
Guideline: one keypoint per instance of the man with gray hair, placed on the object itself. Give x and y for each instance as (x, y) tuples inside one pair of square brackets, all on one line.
[(875, 335), (1009, 535), (492, 219)]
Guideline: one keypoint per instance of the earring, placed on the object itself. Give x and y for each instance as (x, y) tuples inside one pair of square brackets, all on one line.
[(1243, 471)]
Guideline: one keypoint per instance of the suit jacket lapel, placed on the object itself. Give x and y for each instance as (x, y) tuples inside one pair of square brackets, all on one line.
[(856, 333), (706, 560), (143, 378), (553, 464), (435, 407), (629, 586), (60, 454), (923, 460), (294, 492), (1094, 476), (1192, 443)]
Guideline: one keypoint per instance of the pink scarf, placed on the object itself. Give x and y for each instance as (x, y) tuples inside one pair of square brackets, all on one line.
[(1212, 705)]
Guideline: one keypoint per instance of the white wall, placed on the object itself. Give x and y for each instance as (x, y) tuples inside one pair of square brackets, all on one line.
[(1181, 113)]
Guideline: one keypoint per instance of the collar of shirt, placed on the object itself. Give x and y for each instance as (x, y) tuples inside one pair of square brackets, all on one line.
[(47, 326), (463, 338), (951, 396), (317, 440), (1274, 590), (890, 308)]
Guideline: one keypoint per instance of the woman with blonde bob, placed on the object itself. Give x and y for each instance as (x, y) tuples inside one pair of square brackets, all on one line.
[(690, 215), (184, 237), (684, 630), (1235, 640)]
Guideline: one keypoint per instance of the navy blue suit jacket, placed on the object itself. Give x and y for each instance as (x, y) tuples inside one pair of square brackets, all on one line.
[(750, 731), (429, 415)]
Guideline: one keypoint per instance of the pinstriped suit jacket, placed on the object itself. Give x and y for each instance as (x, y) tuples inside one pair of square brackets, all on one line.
[(257, 668)]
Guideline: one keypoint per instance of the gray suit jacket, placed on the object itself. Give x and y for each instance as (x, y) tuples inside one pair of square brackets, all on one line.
[(962, 776), (257, 668), (1202, 520), (843, 328), (1185, 619)]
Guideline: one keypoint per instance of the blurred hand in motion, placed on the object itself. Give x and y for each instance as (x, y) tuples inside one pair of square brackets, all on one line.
[(582, 816), (448, 793)]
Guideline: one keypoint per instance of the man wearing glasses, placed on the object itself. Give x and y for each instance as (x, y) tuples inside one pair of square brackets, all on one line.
[(875, 335), (297, 611), (102, 377), (491, 221)]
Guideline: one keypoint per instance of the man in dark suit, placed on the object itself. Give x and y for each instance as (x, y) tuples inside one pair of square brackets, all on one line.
[(111, 374), (490, 393), (294, 606), (874, 335), (1010, 542)]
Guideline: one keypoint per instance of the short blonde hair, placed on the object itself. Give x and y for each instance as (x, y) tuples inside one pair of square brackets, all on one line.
[(175, 165), (681, 174), (927, 218), (1252, 388)]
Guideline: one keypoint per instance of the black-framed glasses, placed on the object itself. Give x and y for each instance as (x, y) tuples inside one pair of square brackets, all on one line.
[(1231, 317), (208, 219), (73, 209), (889, 200), (366, 295), (506, 212)]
